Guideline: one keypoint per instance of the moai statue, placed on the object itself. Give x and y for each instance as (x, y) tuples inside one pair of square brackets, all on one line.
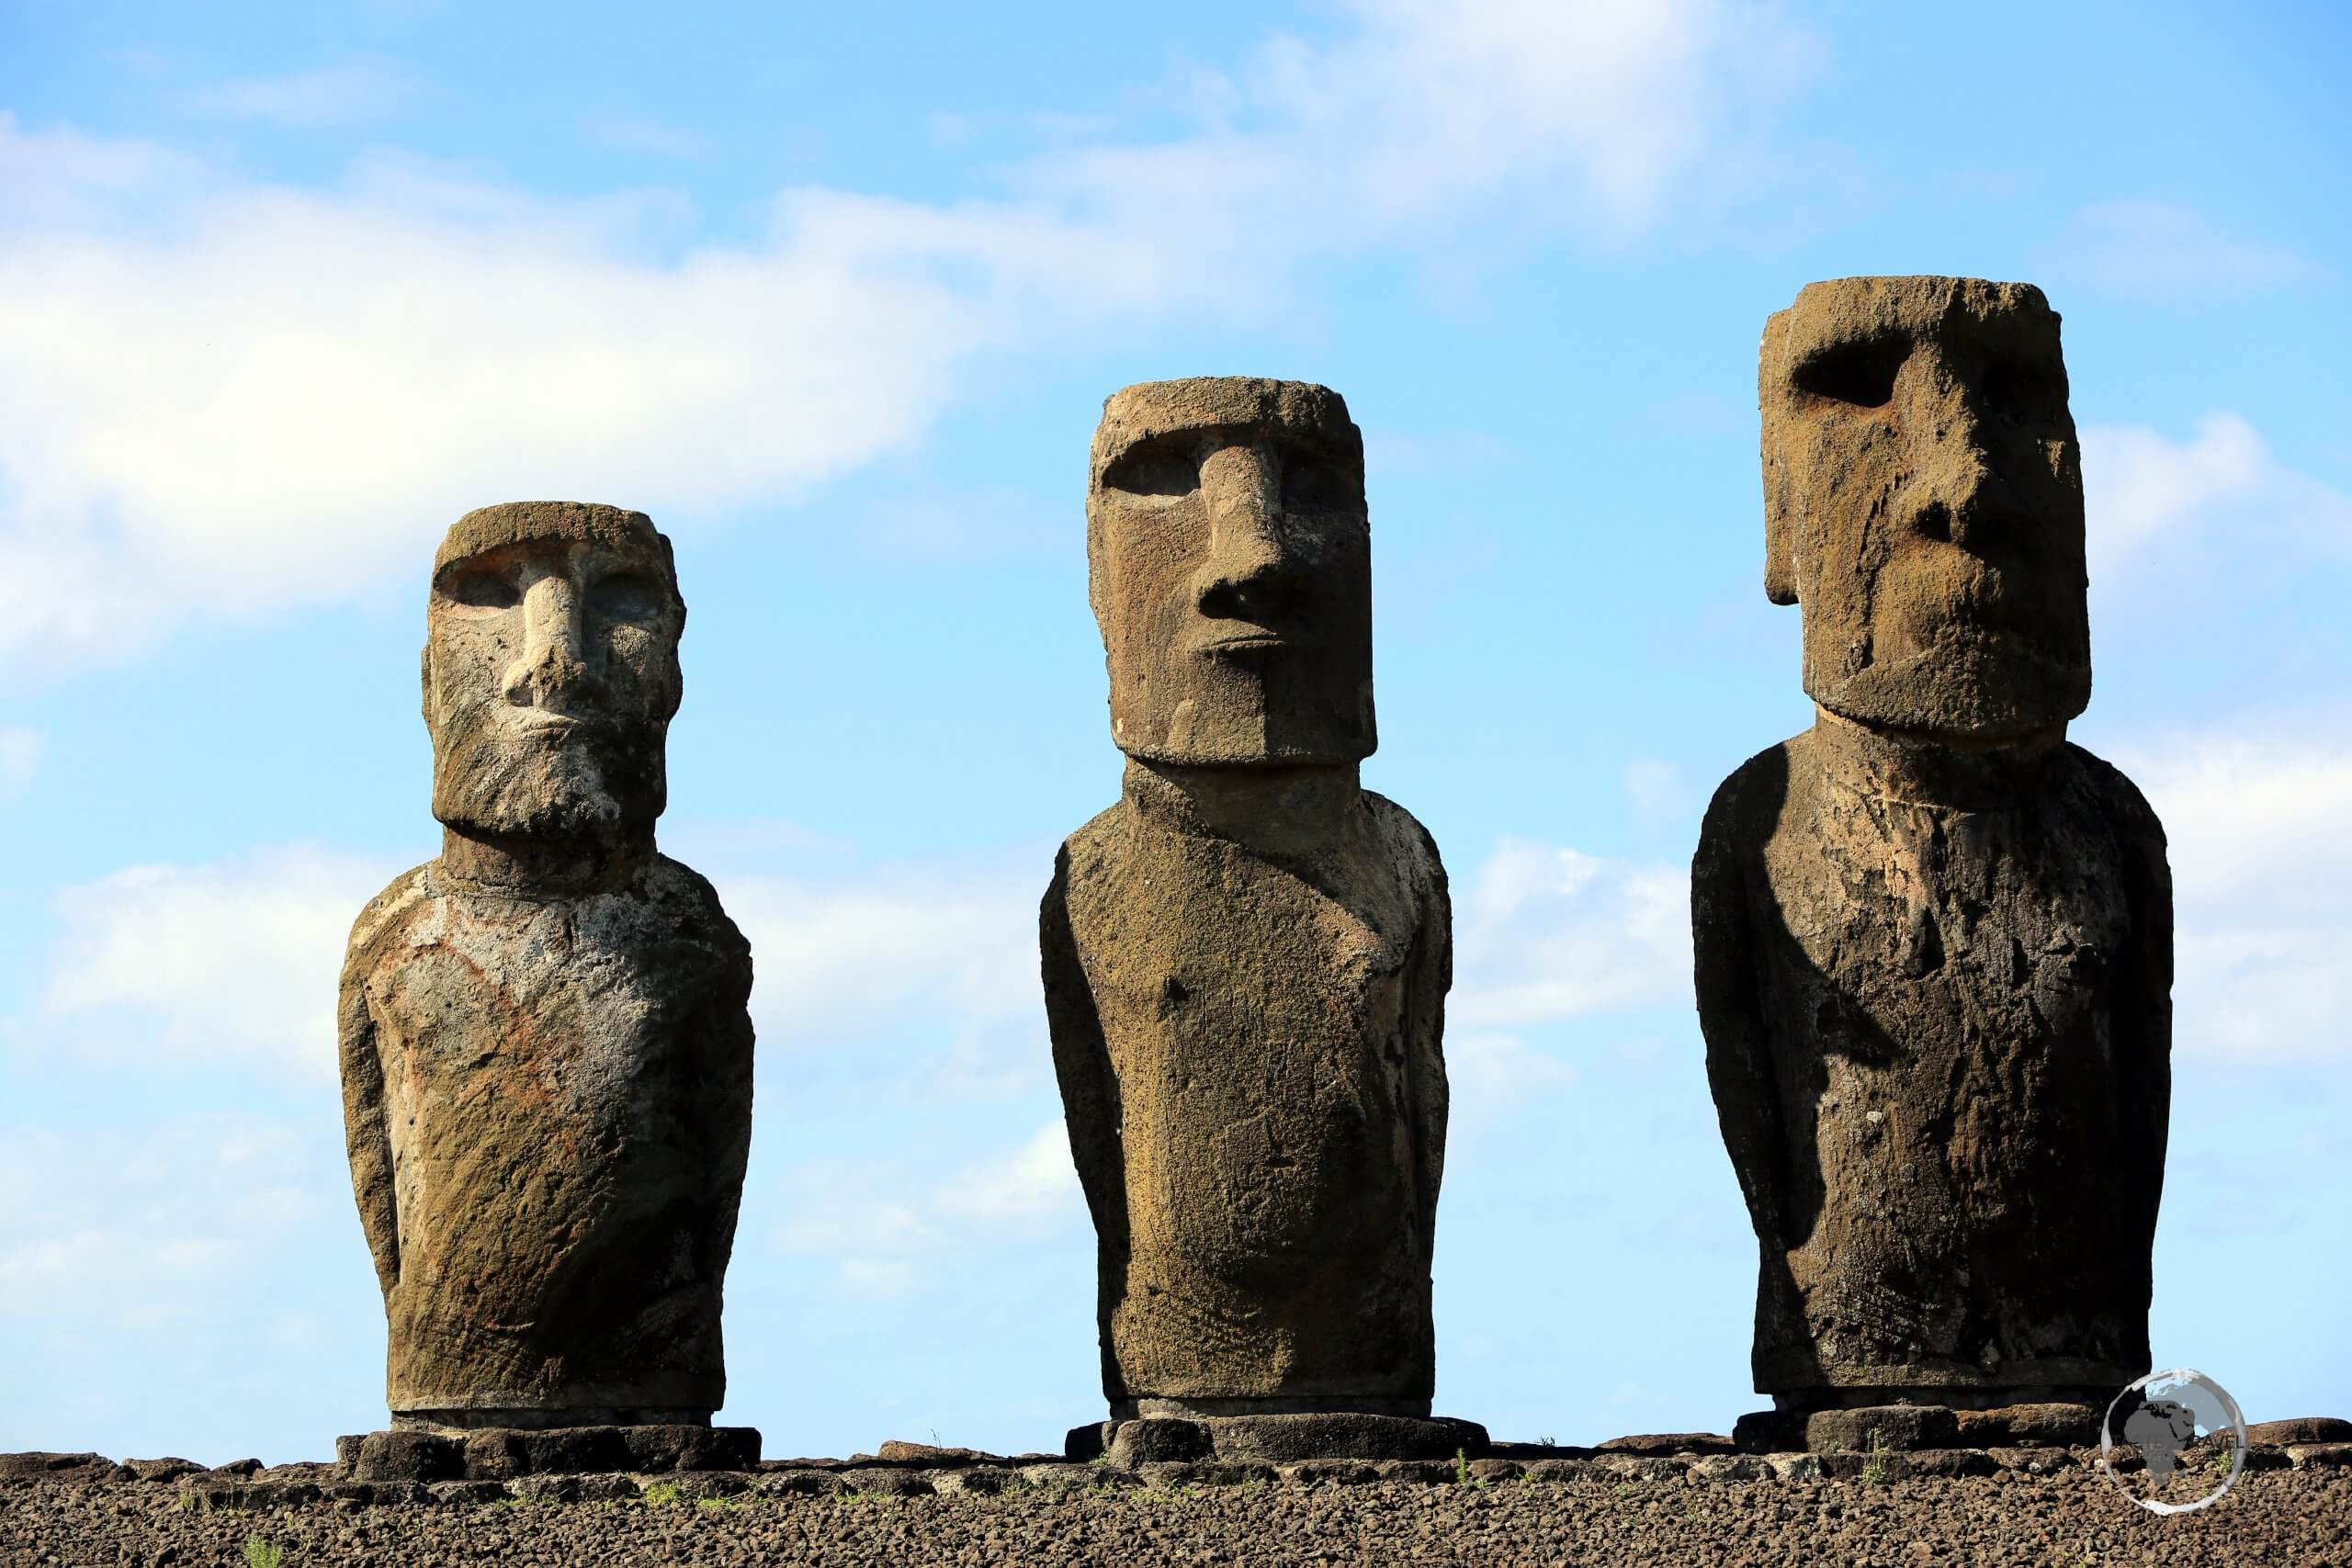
[(1246, 959), (1934, 939), (547, 1056)]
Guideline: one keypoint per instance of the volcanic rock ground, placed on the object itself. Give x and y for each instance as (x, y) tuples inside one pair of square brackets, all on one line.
[(2069, 1517)]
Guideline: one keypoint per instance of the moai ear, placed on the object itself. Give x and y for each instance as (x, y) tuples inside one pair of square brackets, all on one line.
[(1780, 551), (1771, 392)]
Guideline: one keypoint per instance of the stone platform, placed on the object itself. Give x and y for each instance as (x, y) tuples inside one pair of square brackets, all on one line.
[(1275, 1439), (1904, 1427), (502, 1453), (2321, 1445)]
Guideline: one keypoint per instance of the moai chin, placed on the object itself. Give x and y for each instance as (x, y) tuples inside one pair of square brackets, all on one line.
[(1933, 937), (1246, 958), (547, 1056)]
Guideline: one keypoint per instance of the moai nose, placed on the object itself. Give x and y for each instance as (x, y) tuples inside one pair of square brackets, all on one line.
[(1954, 492), (552, 644), (1250, 574)]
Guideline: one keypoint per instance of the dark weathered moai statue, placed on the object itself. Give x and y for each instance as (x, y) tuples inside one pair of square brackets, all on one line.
[(1934, 939), (547, 1058), (1246, 959)]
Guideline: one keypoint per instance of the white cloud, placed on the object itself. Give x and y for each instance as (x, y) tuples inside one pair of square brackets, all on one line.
[(2155, 249), (2262, 886), (843, 953), (2161, 510), (1491, 1076), (221, 400), (1036, 1184), (642, 133), (129, 1228), (330, 94), (886, 1231), (239, 959), (20, 754), (1659, 790), (1544, 932)]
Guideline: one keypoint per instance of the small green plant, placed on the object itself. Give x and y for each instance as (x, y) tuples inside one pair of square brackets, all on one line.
[(189, 1501), (1625, 1489), (259, 1553), (1874, 1470), (663, 1493), (1462, 1467)]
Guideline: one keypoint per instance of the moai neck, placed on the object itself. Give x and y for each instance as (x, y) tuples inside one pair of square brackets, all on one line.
[(1960, 773), (542, 867), (1274, 810)]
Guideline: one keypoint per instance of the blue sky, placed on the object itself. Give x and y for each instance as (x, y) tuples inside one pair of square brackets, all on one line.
[(835, 295)]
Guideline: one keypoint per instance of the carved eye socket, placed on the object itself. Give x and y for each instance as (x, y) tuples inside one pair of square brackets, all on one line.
[(626, 597), (480, 588), (2020, 390), (1314, 482), (1860, 373), (1154, 469)]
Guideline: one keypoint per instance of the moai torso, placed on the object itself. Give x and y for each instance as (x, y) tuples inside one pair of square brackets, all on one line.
[(545, 1051), (1959, 1091), (1261, 1033), (1933, 939), (564, 1119), (1246, 959)]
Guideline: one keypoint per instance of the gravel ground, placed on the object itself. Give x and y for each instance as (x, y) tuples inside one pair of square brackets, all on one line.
[(2301, 1517)]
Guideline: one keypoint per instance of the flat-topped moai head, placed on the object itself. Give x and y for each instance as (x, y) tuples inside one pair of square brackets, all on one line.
[(551, 672), (1923, 501), (1932, 939), (1230, 568), (1246, 959), (546, 1047)]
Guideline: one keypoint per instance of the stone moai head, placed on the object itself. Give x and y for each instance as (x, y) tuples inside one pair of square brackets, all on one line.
[(552, 671), (1922, 499), (1229, 564)]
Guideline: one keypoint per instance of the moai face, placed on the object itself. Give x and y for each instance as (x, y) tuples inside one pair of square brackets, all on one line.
[(551, 670), (1924, 503), (1230, 568)]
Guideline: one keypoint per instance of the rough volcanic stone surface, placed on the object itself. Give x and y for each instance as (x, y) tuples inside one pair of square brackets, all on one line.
[(1156, 1440), (1934, 939), (41, 1462), (2278, 1516), (547, 1059), (1246, 959), (499, 1455), (1668, 1443), (1881, 1427), (1287, 1439), (931, 1453), (2030, 1425), (2297, 1429)]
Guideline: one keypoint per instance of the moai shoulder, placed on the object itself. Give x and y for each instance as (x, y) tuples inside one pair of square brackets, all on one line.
[(1246, 958), (1932, 936), (546, 1043)]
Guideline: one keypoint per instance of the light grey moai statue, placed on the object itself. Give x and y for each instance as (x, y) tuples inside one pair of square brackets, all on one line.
[(547, 1056), (1934, 939), (1246, 959)]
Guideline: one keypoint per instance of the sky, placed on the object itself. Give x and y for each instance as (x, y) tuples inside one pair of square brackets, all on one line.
[(834, 294)]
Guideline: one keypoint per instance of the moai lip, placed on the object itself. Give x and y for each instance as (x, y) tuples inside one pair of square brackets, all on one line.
[(1933, 937), (1246, 958), (545, 1051)]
